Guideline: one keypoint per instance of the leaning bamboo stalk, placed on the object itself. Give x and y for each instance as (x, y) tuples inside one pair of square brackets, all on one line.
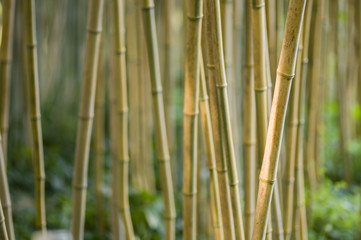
[(86, 114), (285, 74), (6, 50), (249, 130), (190, 119), (37, 140), (161, 132), (221, 84), (221, 165), (5, 198), (211, 157), (3, 231)]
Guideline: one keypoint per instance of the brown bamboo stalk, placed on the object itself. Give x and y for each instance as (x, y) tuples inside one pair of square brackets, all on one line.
[(37, 141), (190, 119), (221, 165), (161, 132), (249, 128), (285, 74), (211, 156), (6, 50), (86, 113)]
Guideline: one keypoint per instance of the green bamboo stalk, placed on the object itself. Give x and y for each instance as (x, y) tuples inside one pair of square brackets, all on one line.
[(6, 50), (280, 25), (190, 120), (211, 156), (3, 231), (161, 132), (86, 114), (7, 220), (271, 15), (37, 144), (221, 165), (249, 128), (285, 74)]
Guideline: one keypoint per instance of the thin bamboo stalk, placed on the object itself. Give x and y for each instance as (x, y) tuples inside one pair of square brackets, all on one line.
[(280, 25), (3, 231), (5, 209), (221, 84), (86, 114), (249, 128), (221, 165), (6, 50), (285, 74), (211, 156), (190, 120), (161, 132), (271, 15), (37, 141)]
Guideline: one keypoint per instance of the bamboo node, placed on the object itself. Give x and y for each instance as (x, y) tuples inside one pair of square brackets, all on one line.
[(82, 117), (94, 30), (260, 89), (204, 99), (35, 118), (120, 51), (148, 7), (195, 18), (190, 113), (285, 75), (249, 143), (249, 65), (271, 182), (258, 6), (80, 187), (31, 45), (249, 213), (190, 194), (163, 159), (305, 60), (293, 123), (2, 220), (224, 85), (157, 91), (211, 66)]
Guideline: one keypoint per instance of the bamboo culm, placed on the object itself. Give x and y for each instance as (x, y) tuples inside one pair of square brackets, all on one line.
[(34, 104), (86, 115), (159, 119), (285, 74), (3, 231)]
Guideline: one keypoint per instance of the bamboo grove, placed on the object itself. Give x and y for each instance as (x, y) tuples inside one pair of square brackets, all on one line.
[(211, 115)]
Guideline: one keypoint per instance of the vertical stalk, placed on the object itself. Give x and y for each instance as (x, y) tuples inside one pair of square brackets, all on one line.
[(211, 156), (271, 15), (86, 114), (221, 165), (37, 140), (285, 74), (3, 231), (249, 128), (190, 120), (6, 51), (159, 118)]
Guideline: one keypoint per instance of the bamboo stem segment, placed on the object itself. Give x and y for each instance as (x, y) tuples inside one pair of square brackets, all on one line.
[(285, 74), (159, 119), (86, 115), (3, 231), (37, 140)]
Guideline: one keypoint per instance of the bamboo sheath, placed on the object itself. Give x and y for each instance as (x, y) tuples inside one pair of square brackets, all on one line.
[(7, 220), (86, 114), (37, 141), (221, 84), (249, 130), (121, 78), (159, 118), (221, 165), (6, 50), (190, 120), (211, 156), (285, 74), (3, 231)]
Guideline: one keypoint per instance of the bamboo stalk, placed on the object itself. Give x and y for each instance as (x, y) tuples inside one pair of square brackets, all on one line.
[(190, 120), (271, 16), (161, 132), (221, 84), (3, 231), (6, 50), (249, 130), (285, 74), (211, 157), (37, 141), (221, 165), (86, 114)]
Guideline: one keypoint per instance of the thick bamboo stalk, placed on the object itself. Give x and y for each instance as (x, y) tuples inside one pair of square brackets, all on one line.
[(211, 156), (285, 74), (37, 140), (190, 119), (6, 50), (221, 165), (221, 84), (86, 114), (3, 231), (160, 128), (249, 128), (5, 200)]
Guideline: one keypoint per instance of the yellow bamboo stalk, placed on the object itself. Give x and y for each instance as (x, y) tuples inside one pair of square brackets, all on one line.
[(285, 74), (221, 165), (190, 119), (161, 132), (86, 114), (6, 50), (37, 141), (271, 15)]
